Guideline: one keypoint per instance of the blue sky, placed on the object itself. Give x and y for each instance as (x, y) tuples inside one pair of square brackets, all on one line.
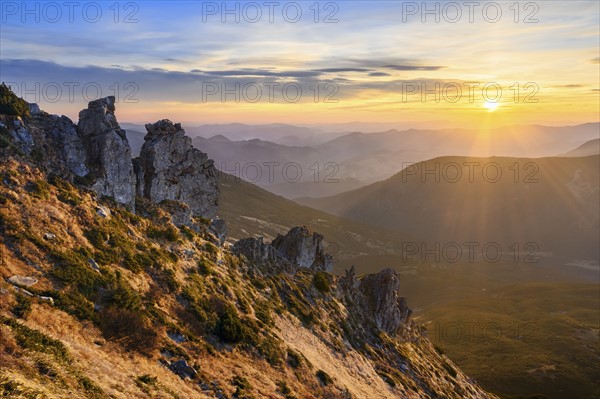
[(168, 49)]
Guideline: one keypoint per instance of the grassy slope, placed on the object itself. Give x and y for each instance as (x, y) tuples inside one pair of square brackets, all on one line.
[(164, 294)]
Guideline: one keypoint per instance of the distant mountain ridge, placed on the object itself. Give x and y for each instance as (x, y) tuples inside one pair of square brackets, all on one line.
[(588, 148), (551, 202), (352, 160)]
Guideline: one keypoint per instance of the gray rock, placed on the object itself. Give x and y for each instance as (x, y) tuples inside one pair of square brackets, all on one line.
[(103, 212), (48, 299), (94, 265), (49, 236), (108, 151), (376, 298), (176, 337), (70, 146), (183, 369), (219, 228), (23, 281), (299, 248), (303, 248), (261, 254), (169, 168), (34, 109), (22, 136)]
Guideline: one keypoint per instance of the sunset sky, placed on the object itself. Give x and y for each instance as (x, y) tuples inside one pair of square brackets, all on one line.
[(175, 58)]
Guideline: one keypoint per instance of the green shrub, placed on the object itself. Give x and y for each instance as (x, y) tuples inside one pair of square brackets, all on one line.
[(321, 282), (270, 349), (146, 379), (73, 269), (10, 104), (121, 295), (38, 189), (75, 304), (22, 308), (294, 359), (128, 328), (35, 340), (204, 267), (324, 378), (242, 386), (283, 388), (388, 379), (263, 313), (169, 233), (66, 192), (230, 327), (87, 180), (450, 370), (92, 390), (210, 248)]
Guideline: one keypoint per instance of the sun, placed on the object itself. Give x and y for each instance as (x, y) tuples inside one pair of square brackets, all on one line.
[(491, 105)]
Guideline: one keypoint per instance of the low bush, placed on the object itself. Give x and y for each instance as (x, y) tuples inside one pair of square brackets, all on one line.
[(324, 378), (321, 282), (22, 308), (128, 328)]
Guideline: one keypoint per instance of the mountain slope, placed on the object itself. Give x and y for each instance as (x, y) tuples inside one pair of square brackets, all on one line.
[(549, 202), (98, 302), (587, 149)]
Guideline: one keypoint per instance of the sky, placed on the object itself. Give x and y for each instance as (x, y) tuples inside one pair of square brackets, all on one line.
[(435, 64)]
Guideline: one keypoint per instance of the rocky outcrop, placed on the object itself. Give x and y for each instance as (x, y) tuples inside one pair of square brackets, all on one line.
[(22, 136), (71, 148), (169, 168), (219, 228), (376, 297), (298, 249), (303, 248), (108, 152), (96, 153), (262, 256)]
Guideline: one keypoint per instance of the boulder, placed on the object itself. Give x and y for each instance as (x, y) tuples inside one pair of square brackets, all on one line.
[(108, 152), (23, 281), (183, 369), (49, 236), (169, 168)]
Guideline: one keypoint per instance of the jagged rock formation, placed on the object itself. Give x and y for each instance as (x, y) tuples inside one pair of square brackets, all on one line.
[(298, 249), (64, 133), (108, 151), (302, 247), (169, 168), (22, 136), (378, 295), (95, 152), (262, 255)]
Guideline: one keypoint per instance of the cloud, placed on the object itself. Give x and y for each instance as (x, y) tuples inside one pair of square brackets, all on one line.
[(414, 67), (376, 74), (333, 70), (569, 86), (264, 73)]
